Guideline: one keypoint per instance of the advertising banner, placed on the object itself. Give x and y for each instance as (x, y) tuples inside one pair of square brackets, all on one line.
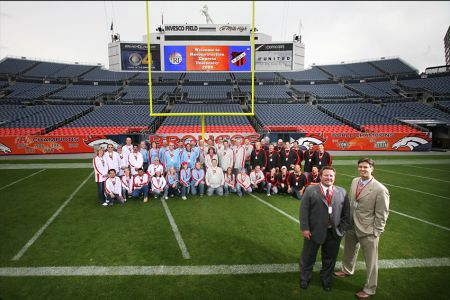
[(331, 141), (134, 57), (207, 58), (362, 141), (273, 57)]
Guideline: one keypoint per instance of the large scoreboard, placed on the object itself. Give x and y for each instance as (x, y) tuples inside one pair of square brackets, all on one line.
[(211, 47)]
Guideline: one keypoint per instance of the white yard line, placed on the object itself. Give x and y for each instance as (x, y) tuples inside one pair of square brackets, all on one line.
[(421, 220), (401, 187), (440, 170), (21, 179), (206, 269), (276, 208), (280, 211), (49, 221), (411, 175), (408, 216), (176, 232)]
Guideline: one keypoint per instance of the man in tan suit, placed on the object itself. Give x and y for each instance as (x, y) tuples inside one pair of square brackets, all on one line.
[(369, 205)]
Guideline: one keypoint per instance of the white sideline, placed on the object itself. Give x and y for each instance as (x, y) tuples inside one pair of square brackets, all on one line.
[(408, 216), (411, 175), (21, 179), (281, 211), (206, 269), (49, 221), (176, 232)]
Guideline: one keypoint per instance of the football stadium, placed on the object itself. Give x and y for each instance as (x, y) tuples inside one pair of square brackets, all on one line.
[(213, 160)]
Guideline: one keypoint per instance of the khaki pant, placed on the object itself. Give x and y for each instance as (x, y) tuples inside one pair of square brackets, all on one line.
[(369, 245)]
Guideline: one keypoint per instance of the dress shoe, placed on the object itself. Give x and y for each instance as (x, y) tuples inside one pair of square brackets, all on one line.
[(326, 288), (304, 285), (362, 295), (341, 274)]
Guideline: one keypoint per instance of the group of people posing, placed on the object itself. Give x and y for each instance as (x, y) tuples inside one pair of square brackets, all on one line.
[(219, 168)]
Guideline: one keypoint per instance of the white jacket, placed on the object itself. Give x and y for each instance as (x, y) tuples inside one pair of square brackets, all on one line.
[(100, 168), (158, 183), (214, 177), (256, 177), (239, 157), (113, 186)]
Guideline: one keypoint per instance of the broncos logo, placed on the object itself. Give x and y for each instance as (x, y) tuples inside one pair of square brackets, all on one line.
[(100, 142), (410, 141), (4, 148), (304, 141)]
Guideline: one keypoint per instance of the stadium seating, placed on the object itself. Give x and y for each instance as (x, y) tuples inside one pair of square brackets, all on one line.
[(385, 86), (140, 92), (36, 92), (313, 74), (368, 90), (326, 90), (99, 75), (393, 66), (207, 77), (267, 91), (85, 92), (111, 119), (207, 92), (363, 70), (297, 117), (438, 85), (13, 66), (366, 117), (224, 124), (17, 120)]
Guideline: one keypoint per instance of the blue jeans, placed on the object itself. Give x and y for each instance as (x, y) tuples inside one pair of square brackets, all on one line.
[(101, 192), (137, 192), (211, 191), (184, 191), (240, 190), (274, 189), (296, 194), (228, 189), (200, 186), (169, 189)]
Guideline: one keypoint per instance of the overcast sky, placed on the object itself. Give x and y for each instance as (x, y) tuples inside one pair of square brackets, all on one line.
[(332, 31)]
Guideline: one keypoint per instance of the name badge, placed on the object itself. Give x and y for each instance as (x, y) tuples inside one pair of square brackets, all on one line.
[(256, 157), (320, 163), (287, 159), (355, 204), (296, 183), (270, 159), (330, 210), (309, 160)]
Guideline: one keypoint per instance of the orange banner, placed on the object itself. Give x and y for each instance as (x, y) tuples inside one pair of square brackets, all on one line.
[(40, 144), (204, 58)]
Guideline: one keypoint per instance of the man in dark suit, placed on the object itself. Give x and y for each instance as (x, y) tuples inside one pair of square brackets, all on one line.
[(324, 218)]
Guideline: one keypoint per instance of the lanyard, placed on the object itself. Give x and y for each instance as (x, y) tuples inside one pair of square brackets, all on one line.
[(330, 194), (359, 189)]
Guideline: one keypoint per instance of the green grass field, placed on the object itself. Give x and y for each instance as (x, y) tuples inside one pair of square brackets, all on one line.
[(217, 232)]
